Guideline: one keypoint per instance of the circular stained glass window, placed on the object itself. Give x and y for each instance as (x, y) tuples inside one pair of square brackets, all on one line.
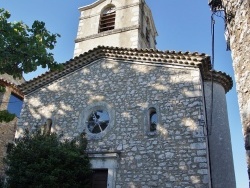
[(98, 121)]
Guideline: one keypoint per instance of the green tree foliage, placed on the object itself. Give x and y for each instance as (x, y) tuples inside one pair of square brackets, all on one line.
[(23, 49), (5, 116), (42, 160)]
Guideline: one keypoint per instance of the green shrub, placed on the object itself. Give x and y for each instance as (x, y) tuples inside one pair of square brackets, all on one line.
[(6, 116), (42, 160), (1, 181)]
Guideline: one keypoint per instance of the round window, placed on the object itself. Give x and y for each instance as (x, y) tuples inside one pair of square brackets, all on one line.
[(98, 121)]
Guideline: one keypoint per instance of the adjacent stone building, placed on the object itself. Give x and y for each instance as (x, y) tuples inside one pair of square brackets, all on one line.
[(7, 130), (238, 25), (152, 118), (237, 20)]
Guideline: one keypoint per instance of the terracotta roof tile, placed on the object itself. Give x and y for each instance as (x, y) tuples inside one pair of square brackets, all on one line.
[(13, 86), (195, 59)]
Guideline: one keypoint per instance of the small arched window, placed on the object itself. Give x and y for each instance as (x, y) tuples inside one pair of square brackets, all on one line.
[(107, 19), (47, 126), (153, 119)]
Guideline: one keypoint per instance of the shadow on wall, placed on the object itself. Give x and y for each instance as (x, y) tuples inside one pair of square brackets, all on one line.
[(131, 89)]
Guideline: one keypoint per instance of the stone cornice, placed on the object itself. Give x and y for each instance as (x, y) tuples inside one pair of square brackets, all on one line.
[(109, 32), (91, 5), (196, 60)]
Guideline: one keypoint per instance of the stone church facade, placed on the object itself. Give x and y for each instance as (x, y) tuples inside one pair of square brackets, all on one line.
[(146, 113)]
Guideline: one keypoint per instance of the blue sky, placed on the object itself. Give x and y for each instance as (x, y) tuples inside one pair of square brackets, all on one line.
[(182, 25)]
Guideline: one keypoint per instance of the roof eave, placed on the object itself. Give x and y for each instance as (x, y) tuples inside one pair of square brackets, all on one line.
[(146, 56)]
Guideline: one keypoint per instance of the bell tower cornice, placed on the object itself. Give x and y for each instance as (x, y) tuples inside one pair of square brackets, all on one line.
[(92, 5)]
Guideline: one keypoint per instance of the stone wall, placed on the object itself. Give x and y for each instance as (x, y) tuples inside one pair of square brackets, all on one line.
[(129, 30), (220, 147), (238, 25), (125, 33), (7, 134), (173, 156), (5, 97)]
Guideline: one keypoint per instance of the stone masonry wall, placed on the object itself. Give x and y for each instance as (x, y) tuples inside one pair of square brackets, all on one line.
[(174, 156), (238, 24), (7, 130), (5, 97), (7, 134)]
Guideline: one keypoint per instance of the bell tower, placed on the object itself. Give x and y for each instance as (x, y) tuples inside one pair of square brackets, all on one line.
[(118, 23)]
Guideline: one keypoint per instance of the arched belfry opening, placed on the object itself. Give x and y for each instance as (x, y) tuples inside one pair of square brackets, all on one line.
[(107, 19)]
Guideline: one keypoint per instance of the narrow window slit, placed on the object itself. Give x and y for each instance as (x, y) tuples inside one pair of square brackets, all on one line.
[(153, 119)]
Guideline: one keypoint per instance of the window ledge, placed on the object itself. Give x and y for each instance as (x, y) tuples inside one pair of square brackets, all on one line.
[(151, 133)]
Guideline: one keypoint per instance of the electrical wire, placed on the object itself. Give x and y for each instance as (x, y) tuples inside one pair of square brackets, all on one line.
[(217, 13), (212, 80), (220, 15)]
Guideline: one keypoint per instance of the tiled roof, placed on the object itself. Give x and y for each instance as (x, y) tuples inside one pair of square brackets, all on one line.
[(220, 77), (179, 58), (11, 79)]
